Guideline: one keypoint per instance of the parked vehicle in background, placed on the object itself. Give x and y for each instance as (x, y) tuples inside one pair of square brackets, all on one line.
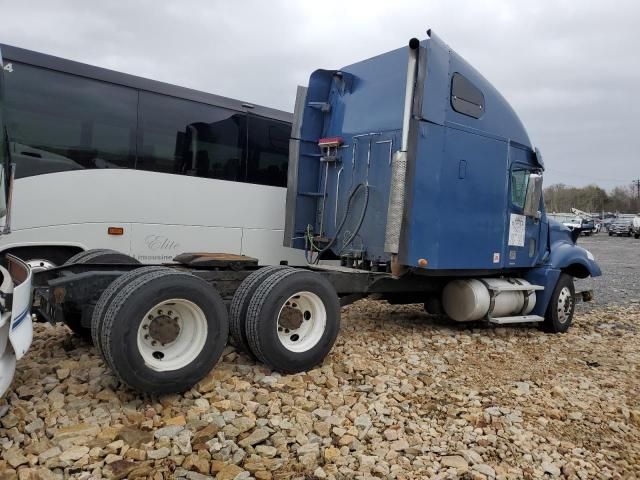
[(597, 228), (585, 225), (636, 226), (139, 166), (583, 221), (621, 227)]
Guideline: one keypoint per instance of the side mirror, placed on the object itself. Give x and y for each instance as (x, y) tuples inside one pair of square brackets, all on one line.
[(534, 194)]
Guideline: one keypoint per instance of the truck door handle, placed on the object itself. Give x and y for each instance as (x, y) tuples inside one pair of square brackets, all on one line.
[(462, 169)]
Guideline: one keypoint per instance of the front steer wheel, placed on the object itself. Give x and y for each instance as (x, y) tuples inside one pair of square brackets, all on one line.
[(162, 332), (293, 320), (561, 306)]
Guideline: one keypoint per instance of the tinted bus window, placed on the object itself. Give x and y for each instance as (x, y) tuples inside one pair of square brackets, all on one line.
[(268, 155), (190, 138), (63, 122)]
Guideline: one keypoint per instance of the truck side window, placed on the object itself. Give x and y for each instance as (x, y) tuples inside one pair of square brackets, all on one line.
[(466, 98), (519, 182)]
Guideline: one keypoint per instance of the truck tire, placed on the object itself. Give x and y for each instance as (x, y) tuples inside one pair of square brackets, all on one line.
[(109, 294), (561, 307), (636, 235), (73, 319), (162, 332), (240, 304), (293, 320)]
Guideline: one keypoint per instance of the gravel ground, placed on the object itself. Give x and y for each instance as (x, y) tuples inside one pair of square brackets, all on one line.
[(402, 395), (619, 259)]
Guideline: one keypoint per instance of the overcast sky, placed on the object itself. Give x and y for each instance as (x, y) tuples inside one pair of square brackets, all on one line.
[(571, 69)]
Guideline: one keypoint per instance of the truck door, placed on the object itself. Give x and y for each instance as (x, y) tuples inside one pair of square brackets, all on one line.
[(523, 233)]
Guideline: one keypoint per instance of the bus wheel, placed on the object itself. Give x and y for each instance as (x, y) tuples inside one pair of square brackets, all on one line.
[(293, 320), (240, 304), (40, 264), (561, 306), (162, 332), (73, 318), (109, 294), (101, 255)]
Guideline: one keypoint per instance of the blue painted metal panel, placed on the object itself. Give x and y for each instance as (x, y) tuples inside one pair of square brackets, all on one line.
[(499, 118), (459, 223)]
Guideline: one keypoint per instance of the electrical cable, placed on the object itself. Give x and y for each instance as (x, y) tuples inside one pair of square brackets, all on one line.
[(344, 219)]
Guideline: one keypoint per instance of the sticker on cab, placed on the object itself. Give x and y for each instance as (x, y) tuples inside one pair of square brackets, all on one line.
[(517, 226)]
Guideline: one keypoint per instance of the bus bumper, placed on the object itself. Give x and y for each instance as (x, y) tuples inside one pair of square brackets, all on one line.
[(16, 329)]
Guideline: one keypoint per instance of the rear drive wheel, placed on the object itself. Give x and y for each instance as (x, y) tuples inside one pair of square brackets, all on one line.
[(240, 304), (109, 294), (561, 306), (73, 318), (293, 320), (162, 332)]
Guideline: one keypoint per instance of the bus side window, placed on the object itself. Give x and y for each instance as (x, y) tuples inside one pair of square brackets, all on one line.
[(268, 155), (190, 138), (60, 122)]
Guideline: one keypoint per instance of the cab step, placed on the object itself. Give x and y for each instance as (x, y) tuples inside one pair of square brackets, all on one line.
[(516, 319)]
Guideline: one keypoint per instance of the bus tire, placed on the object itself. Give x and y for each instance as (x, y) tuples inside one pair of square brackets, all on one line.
[(41, 258), (73, 319), (293, 320), (162, 332), (561, 306), (240, 304), (101, 255), (109, 294)]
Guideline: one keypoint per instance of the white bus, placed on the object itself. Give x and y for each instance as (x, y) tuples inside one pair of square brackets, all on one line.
[(110, 160)]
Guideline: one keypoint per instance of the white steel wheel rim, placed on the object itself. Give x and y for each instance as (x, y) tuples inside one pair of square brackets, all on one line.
[(302, 320), (565, 302), (40, 264), (172, 334)]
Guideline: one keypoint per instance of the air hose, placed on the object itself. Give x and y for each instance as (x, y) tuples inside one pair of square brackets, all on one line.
[(344, 219)]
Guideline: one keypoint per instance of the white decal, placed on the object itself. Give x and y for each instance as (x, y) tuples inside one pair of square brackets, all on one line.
[(496, 257), (9, 67), (517, 227)]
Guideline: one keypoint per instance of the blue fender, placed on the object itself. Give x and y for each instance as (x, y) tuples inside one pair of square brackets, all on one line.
[(564, 256)]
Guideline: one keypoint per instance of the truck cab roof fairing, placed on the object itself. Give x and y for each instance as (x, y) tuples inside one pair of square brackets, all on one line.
[(443, 62)]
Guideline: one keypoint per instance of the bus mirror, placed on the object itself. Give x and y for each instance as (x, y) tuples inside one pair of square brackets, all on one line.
[(534, 194)]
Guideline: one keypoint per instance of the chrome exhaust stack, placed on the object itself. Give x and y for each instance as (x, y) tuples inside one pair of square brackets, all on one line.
[(397, 193)]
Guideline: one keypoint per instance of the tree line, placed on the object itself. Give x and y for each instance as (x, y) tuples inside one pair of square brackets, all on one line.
[(561, 198)]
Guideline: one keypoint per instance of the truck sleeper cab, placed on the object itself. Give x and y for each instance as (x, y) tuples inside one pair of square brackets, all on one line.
[(408, 168), (412, 162)]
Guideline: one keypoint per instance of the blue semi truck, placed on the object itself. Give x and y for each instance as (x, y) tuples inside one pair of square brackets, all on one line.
[(410, 179)]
